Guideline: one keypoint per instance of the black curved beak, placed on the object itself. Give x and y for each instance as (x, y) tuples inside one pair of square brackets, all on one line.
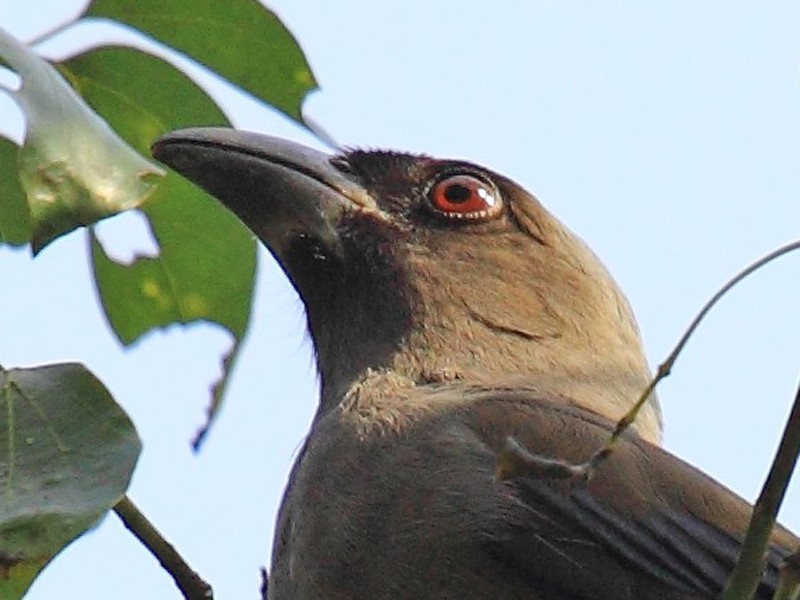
[(279, 189)]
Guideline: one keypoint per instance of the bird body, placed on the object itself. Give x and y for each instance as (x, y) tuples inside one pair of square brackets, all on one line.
[(451, 313), (418, 511)]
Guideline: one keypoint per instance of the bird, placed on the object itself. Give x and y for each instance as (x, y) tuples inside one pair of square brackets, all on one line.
[(453, 316)]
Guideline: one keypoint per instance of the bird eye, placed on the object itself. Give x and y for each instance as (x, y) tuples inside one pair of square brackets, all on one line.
[(465, 197)]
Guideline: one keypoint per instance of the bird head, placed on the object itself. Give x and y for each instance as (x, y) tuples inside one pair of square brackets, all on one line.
[(426, 270)]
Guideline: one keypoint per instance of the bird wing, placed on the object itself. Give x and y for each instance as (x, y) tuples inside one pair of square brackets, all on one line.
[(685, 553), (645, 516)]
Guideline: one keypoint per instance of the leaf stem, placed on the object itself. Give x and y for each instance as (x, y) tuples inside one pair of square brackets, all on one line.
[(192, 586)]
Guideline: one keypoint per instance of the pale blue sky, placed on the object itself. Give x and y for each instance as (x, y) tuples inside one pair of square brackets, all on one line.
[(665, 134)]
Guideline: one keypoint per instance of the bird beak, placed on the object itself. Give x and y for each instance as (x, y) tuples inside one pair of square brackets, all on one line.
[(279, 189)]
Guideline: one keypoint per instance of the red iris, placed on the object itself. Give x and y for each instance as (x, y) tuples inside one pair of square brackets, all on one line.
[(465, 197)]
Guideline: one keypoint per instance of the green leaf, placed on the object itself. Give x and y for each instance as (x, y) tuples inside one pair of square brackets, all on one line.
[(205, 271), (74, 169), (141, 96), (206, 267), (251, 47), (15, 217), (111, 80), (67, 452)]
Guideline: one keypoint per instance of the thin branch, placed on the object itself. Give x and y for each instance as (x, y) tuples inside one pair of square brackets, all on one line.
[(321, 133), (192, 586), (746, 576), (515, 459), (665, 368)]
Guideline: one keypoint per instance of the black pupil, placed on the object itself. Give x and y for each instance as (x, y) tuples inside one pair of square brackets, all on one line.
[(457, 193)]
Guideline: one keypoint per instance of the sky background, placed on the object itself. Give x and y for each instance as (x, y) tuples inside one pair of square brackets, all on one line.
[(665, 134)]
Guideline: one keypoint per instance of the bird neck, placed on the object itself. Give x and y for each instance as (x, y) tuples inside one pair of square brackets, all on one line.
[(601, 369), (496, 313)]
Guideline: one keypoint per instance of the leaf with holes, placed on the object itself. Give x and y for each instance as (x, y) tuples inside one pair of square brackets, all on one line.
[(205, 269), (74, 168)]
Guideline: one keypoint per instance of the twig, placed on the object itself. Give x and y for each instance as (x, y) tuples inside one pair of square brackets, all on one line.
[(515, 459), (665, 368), (746, 576), (321, 133), (188, 581)]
